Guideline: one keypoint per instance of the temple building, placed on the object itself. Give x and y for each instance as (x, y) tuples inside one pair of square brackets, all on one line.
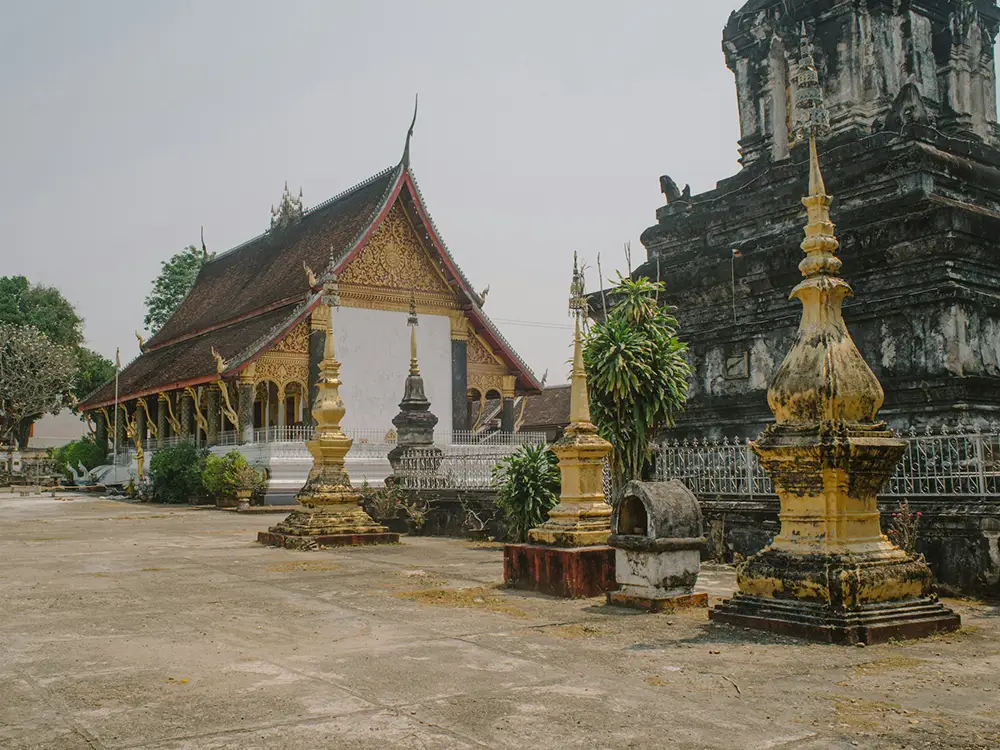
[(238, 361), (912, 152)]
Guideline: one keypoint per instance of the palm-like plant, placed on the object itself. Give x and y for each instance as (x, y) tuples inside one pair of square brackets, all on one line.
[(637, 375), (527, 483)]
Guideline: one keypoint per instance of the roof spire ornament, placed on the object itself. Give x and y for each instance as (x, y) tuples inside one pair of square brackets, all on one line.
[(289, 210), (409, 133)]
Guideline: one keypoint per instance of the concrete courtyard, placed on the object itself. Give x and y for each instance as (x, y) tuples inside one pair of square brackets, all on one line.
[(127, 626)]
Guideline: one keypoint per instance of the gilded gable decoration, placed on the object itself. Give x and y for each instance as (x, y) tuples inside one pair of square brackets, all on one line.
[(394, 257), (480, 353), (297, 340)]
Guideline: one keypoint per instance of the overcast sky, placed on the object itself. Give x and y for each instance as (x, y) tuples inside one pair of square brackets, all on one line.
[(543, 129)]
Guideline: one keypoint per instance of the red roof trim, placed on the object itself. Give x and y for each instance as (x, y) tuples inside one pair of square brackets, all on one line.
[(122, 398)]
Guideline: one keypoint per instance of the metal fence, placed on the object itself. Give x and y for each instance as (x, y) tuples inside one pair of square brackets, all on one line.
[(942, 464)]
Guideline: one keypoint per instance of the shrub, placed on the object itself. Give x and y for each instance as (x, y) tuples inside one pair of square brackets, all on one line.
[(904, 528), (176, 473), (382, 503), (223, 477), (527, 483), (83, 451)]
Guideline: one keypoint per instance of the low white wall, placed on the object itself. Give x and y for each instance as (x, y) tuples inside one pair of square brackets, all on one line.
[(373, 347)]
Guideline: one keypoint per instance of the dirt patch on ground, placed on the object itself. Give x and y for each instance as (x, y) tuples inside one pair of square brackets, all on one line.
[(295, 566), (483, 597)]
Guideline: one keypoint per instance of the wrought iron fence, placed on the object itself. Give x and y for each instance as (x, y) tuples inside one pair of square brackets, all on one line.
[(942, 464)]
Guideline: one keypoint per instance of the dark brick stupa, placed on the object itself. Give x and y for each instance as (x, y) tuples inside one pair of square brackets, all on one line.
[(913, 154), (415, 423)]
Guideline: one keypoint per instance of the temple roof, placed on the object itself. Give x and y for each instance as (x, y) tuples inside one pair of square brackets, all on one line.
[(247, 298), (548, 409)]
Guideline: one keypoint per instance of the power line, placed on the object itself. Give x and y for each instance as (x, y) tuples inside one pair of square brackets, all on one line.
[(534, 324)]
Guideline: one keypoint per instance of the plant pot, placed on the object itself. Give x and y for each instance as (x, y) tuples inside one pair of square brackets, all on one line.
[(243, 500), (477, 535)]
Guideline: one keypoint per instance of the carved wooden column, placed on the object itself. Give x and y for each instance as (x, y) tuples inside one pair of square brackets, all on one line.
[(213, 415), (162, 425), (318, 325), (140, 425), (246, 398), (507, 415), (100, 431), (459, 372), (187, 414)]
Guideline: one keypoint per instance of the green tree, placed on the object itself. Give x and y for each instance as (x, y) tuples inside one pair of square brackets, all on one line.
[(637, 375), (43, 307), (176, 473), (93, 370), (527, 483), (176, 279), (83, 451), (35, 378)]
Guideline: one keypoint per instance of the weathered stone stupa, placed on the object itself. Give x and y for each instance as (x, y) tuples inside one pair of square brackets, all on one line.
[(415, 423), (568, 555), (331, 514), (830, 574)]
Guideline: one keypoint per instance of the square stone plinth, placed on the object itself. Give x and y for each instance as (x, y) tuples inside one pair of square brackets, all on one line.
[(573, 572), (289, 541), (874, 623), (657, 603)]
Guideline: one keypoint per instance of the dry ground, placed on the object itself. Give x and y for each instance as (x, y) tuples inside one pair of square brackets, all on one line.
[(127, 626)]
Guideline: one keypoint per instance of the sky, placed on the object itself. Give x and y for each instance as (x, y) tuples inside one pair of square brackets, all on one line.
[(543, 128)]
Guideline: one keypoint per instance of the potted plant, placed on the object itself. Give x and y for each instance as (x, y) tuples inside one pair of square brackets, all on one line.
[(245, 481)]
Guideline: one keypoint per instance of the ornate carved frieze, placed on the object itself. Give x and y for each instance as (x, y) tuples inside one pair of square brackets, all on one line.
[(391, 266), (484, 382), (480, 353), (297, 340)]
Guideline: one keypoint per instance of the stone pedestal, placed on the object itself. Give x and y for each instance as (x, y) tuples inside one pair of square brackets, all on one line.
[(577, 572)]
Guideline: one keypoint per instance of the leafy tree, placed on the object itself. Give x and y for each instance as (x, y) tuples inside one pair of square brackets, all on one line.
[(527, 484), (637, 375), (92, 371), (176, 473), (83, 451), (35, 377), (176, 279), (43, 307)]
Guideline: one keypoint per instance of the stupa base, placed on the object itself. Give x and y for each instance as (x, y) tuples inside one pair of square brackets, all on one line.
[(315, 541), (568, 572), (871, 623), (656, 603)]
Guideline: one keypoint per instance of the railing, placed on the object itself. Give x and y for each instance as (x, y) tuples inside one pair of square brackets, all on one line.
[(934, 465), (283, 434), (432, 468)]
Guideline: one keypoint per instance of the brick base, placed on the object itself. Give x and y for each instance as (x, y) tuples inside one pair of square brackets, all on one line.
[(661, 604), (874, 623), (575, 572), (288, 541)]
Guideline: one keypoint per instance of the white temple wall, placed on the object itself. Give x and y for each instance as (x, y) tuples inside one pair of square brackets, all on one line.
[(373, 347)]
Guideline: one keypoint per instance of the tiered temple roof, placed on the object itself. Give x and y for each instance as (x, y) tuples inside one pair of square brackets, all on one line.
[(248, 298)]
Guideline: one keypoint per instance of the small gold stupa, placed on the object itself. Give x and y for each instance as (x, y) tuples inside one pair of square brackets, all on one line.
[(331, 513)]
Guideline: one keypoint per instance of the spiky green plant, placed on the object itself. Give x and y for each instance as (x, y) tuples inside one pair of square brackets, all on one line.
[(527, 483), (637, 375)]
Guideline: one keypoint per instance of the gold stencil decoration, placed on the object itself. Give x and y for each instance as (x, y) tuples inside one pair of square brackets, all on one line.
[(297, 340), (394, 257), (479, 353)]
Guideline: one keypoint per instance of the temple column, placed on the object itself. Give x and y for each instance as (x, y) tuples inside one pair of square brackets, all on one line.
[(507, 415), (140, 425), (281, 409), (213, 415), (161, 423), (317, 340), (246, 411), (100, 431), (187, 414), (460, 372), (121, 437)]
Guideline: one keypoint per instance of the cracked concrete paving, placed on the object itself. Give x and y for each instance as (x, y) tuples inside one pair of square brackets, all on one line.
[(127, 626)]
